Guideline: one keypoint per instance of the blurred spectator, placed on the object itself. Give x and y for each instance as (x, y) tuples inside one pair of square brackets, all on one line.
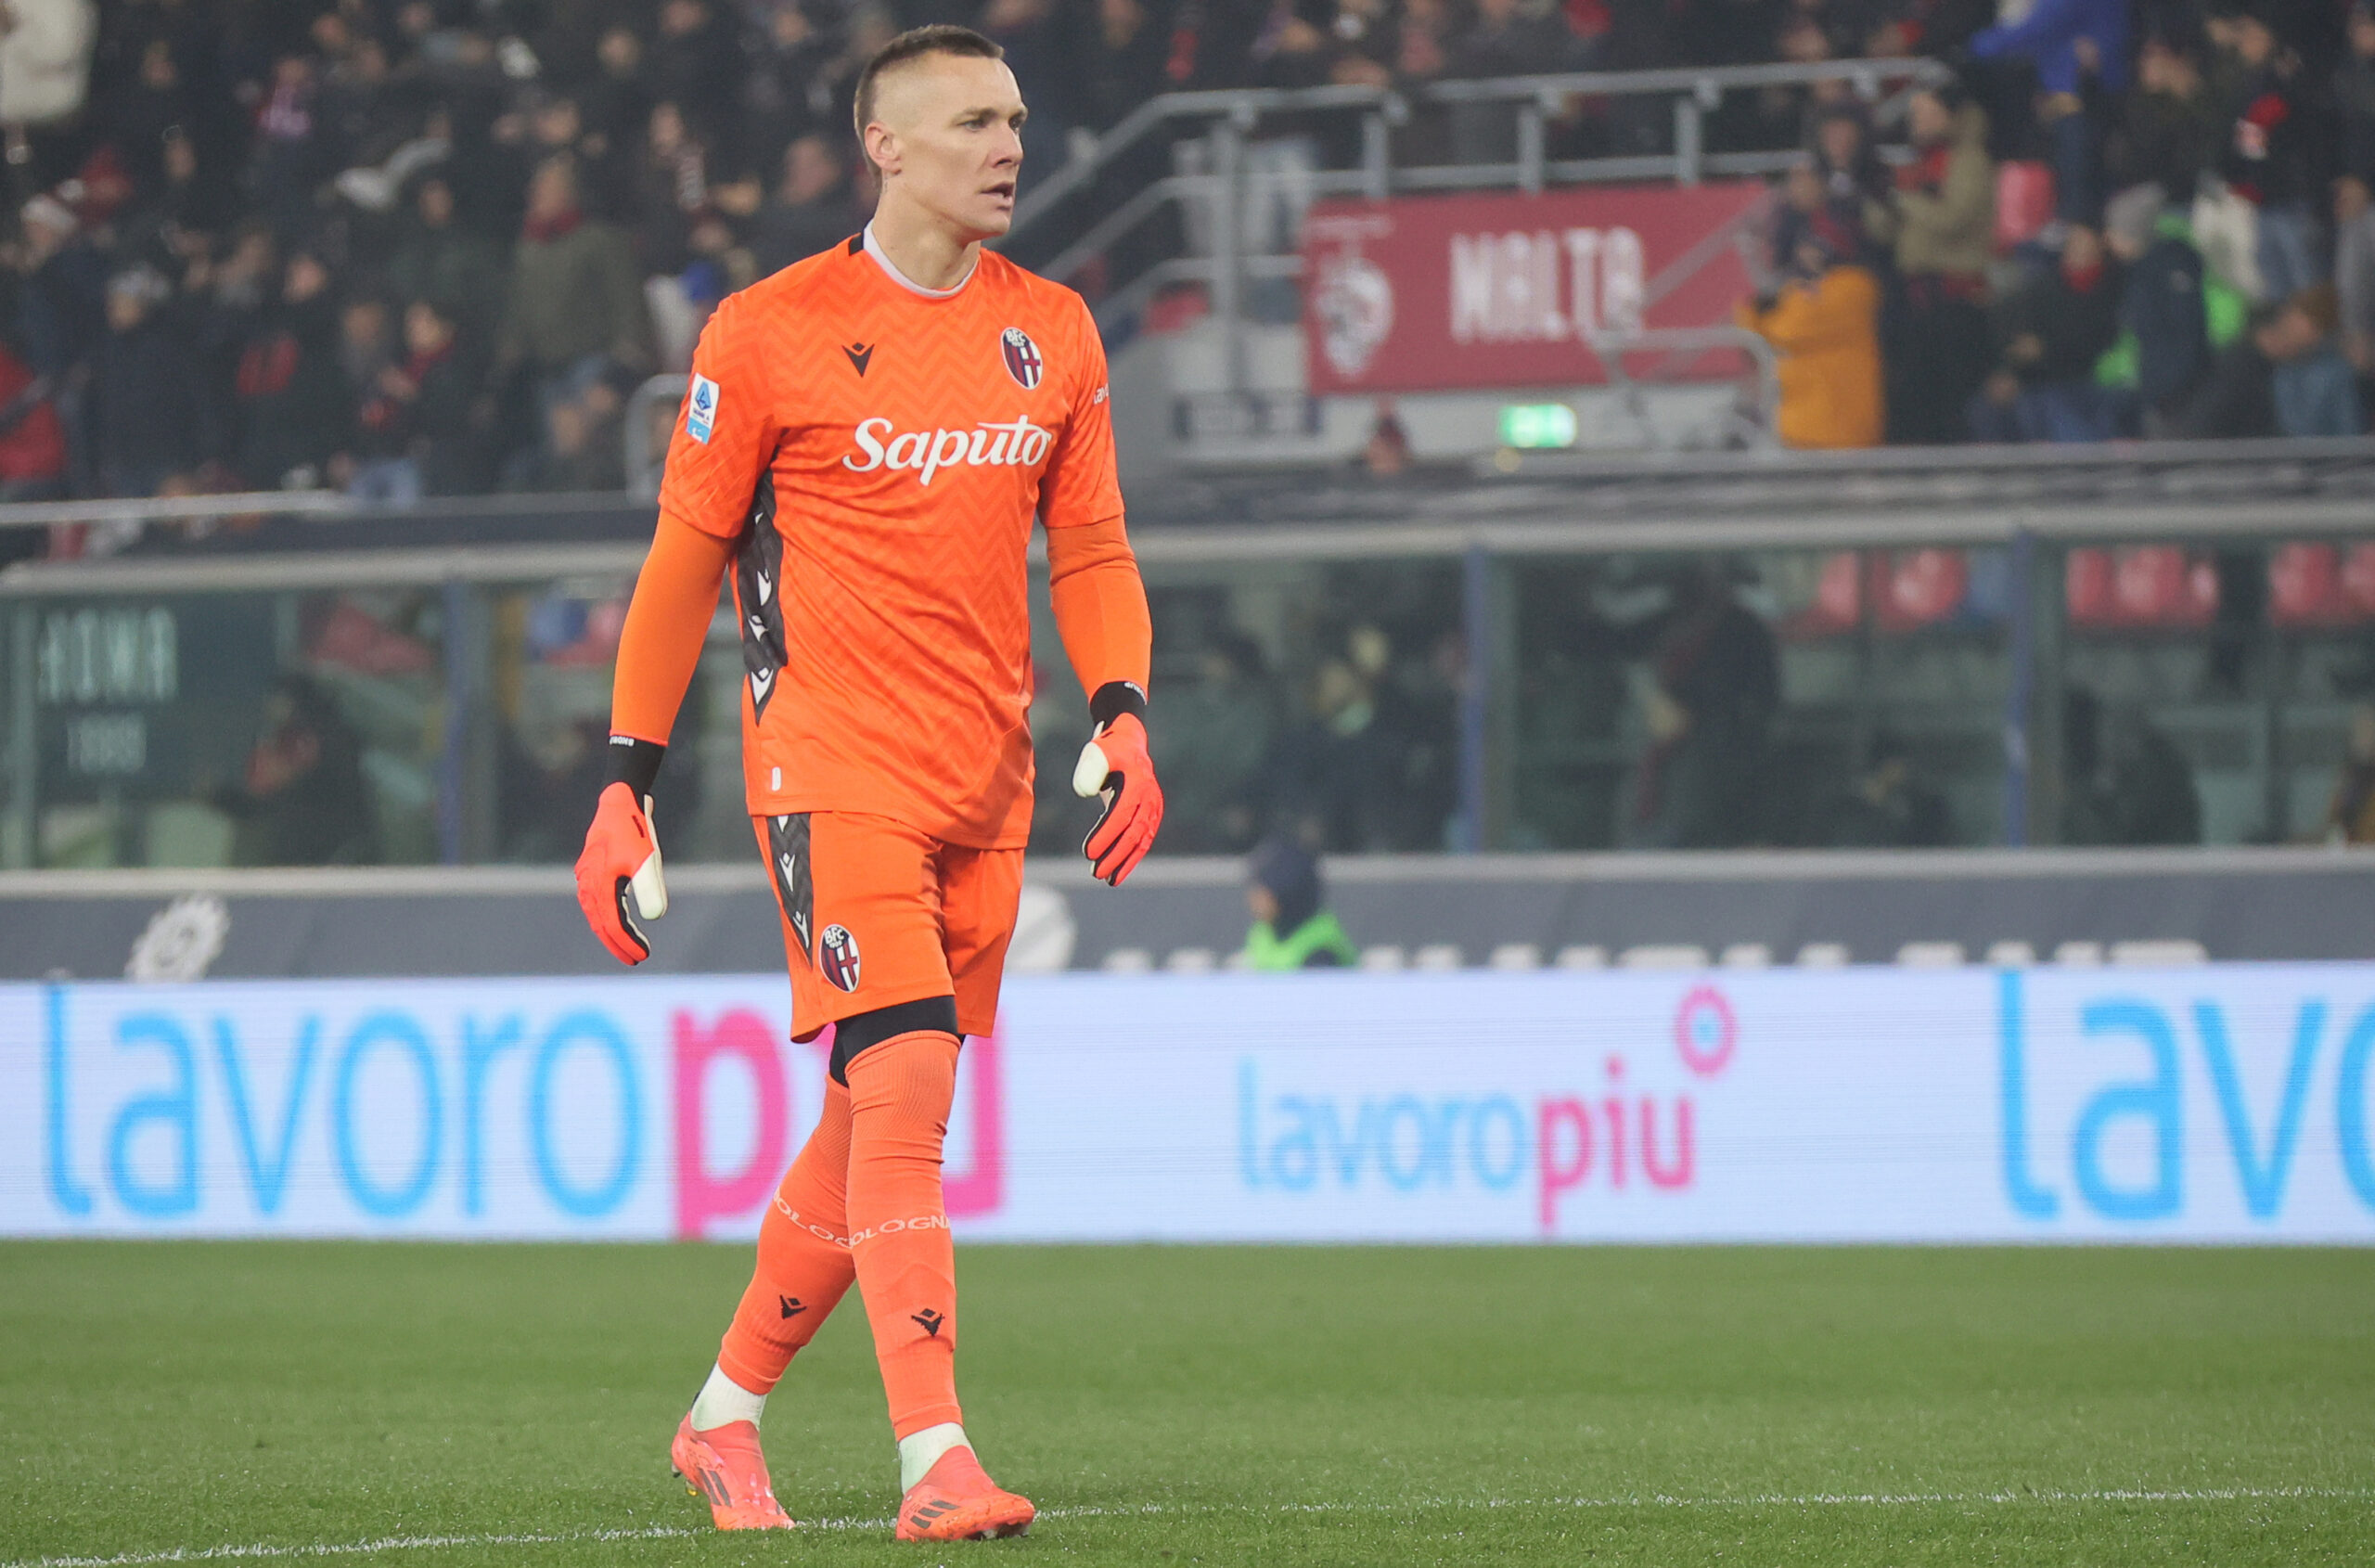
[(2051, 332), (810, 209), (1889, 805), (1505, 38), (1123, 54), (295, 405), (574, 321), (1712, 686), (574, 304), (2173, 123), (2271, 158), (2126, 781), (2353, 96), (1387, 451), (1850, 173), (672, 191), (2312, 386), (415, 431), (1293, 929), (60, 304), (2355, 272), (302, 800), (1038, 48), (1221, 723), (695, 62), (2350, 815), (440, 260), (147, 389), (290, 157), (1940, 219), (1824, 325), (33, 441), (2160, 307), (2236, 400), (2080, 50)]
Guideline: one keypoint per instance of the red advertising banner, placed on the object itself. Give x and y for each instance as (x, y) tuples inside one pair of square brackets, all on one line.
[(1438, 293)]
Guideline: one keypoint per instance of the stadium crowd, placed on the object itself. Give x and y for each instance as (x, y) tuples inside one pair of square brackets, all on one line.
[(2117, 221), (410, 247)]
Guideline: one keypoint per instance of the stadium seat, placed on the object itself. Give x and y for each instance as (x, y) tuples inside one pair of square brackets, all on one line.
[(1663, 956)]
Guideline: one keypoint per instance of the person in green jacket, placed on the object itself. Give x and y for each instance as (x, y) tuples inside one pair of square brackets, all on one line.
[(1291, 927)]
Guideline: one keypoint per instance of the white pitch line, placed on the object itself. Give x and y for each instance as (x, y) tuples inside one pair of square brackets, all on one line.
[(1416, 1505)]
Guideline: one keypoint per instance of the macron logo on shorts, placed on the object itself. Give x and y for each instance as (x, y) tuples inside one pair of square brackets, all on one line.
[(700, 408)]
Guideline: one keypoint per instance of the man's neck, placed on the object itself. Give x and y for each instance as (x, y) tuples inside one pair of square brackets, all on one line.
[(923, 250)]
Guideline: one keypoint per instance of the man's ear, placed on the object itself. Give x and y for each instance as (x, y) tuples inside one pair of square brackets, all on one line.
[(882, 147)]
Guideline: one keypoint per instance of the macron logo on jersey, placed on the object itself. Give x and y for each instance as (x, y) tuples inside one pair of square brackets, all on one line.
[(700, 408), (1016, 444)]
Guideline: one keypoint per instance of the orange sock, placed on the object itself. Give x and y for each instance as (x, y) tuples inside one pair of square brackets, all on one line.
[(803, 1256), (900, 1092)]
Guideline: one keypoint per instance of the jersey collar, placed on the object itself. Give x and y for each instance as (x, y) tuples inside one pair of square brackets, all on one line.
[(882, 259)]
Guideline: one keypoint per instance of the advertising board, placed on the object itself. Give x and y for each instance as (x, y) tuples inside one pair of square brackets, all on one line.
[(2226, 1102), (1429, 293)]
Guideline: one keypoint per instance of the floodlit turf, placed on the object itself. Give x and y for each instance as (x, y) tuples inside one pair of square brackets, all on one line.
[(1217, 1405)]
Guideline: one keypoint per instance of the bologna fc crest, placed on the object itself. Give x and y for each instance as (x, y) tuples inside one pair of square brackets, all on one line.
[(1022, 361), (837, 956)]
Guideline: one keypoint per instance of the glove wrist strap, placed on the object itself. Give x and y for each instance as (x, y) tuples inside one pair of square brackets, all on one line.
[(1114, 699), (636, 763)]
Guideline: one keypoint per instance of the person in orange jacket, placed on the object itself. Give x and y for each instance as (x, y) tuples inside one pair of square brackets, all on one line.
[(1824, 322)]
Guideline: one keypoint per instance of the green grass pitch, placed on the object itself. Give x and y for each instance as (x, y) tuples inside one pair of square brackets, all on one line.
[(445, 1405)]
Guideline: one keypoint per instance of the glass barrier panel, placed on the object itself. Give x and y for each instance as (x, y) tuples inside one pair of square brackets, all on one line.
[(2218, 694), (552, 653), (1309, 697), (1798, 699), (223, 729)]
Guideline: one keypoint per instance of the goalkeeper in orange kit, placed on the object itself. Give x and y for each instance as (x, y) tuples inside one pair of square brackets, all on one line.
[(866, 439)]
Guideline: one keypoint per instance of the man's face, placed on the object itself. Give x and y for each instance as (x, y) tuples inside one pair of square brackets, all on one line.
[(1928, 119), (2289, 336), (809, 170), (2082, 251), (551, 192), (948, 135), (425, 330), (1841, 141)]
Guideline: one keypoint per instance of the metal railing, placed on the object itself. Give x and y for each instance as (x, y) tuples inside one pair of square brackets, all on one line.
[(1479, 555), (1226, 120)]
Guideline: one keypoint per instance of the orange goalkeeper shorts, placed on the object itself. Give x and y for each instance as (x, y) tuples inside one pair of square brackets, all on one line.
[(876, 913)]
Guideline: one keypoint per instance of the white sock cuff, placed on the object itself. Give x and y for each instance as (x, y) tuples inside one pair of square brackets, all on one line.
[(919, 1451), (722, 1401)]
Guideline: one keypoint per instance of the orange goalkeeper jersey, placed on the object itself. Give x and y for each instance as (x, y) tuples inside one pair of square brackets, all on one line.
[(878, 453)]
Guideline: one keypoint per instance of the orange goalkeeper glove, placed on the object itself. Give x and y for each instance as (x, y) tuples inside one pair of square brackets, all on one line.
[(1114, 764), (620, 857)]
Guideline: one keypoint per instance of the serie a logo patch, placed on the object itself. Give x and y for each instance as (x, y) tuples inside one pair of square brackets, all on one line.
[(1022, 360), (700, 408), (837, 957)]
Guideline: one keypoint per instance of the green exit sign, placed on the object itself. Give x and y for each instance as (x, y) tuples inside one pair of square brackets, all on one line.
[(1537, 424)]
